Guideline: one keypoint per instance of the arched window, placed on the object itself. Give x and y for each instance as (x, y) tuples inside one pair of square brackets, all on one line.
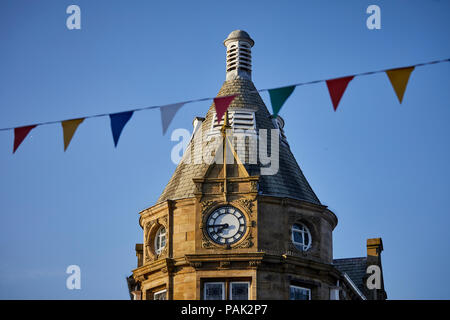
[(160, 240), (301, 237)]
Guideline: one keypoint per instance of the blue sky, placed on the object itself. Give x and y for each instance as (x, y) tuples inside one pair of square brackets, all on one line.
[(380, 166)]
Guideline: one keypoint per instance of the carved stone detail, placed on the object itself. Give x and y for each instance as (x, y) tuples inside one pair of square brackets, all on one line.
[(149, 224), (254, 263), (253, 186), (207, 204), (206, 244), (163, 221), (195, 264), (198, 187), (247, 204), (247, 243)]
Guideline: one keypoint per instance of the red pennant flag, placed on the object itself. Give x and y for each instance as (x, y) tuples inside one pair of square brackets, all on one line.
[(20, 134), (336, 88), (222, 104)]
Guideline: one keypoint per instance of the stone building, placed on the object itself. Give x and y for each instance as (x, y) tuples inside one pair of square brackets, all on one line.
[(243, 227)]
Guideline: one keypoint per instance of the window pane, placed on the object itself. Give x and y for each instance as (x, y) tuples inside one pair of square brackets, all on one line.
[(160, 240), (298, 237), (306, 243), (239, 291), (297, 293), (334, 294), (160, 295), (213, 291)]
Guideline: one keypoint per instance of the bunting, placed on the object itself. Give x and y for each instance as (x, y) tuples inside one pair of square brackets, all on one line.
[(278, 97), (118, 122), (336, 88), (69, 128), (167, 114), (222, 104), (399, 80), (20, 134)]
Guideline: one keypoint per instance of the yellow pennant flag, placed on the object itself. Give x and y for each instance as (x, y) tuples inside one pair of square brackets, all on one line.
[(69, 128), (399, 79)]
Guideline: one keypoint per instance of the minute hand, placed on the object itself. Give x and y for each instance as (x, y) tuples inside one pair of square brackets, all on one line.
[(225, 225)]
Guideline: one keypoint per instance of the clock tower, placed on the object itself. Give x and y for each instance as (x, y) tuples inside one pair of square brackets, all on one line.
[(233, 222)]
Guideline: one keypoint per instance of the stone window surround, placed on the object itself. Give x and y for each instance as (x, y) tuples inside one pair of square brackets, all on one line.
[(301, 228), (313, 228), (150, 230)]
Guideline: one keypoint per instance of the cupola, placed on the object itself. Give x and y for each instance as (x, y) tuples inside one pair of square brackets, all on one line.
[(239, 55)]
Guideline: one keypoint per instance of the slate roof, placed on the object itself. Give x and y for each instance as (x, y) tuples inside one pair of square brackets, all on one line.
[(355, 268), (289, 182)]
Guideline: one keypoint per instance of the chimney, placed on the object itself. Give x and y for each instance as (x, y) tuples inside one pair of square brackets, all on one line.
[(374, 247), (239, 55)]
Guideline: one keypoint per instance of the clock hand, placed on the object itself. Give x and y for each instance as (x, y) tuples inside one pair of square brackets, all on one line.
[(221, 226), (225, 225)]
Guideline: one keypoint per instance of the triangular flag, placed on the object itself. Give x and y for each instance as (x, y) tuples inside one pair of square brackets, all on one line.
[(278, 97), (399, 79), (336, 88), (222, 104), (167, 114), (118, 121), (20, 134), (69, 128)]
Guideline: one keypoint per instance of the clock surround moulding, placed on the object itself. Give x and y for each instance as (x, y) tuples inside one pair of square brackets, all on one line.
[(244, 206)]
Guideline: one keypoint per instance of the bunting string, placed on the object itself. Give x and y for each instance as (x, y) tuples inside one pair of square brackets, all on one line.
[(398, 78)]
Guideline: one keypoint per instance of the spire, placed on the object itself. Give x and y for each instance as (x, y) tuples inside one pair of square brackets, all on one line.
[(239, 55)]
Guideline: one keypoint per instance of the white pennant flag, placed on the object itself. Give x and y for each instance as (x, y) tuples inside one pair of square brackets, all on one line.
[(167, 114)]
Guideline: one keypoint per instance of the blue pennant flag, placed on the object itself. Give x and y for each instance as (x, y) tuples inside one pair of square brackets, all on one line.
[(118, 122)]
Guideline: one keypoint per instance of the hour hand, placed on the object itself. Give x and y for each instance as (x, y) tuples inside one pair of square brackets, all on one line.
[(221, 226)]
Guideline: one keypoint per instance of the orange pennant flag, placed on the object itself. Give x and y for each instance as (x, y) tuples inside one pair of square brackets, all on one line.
[(399, 79), (69, 128)]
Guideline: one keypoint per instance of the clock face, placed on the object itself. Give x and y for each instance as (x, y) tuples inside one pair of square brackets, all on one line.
[(226, 225)]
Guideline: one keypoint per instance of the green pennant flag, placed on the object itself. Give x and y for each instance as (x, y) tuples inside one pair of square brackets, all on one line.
[(278, 97)]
